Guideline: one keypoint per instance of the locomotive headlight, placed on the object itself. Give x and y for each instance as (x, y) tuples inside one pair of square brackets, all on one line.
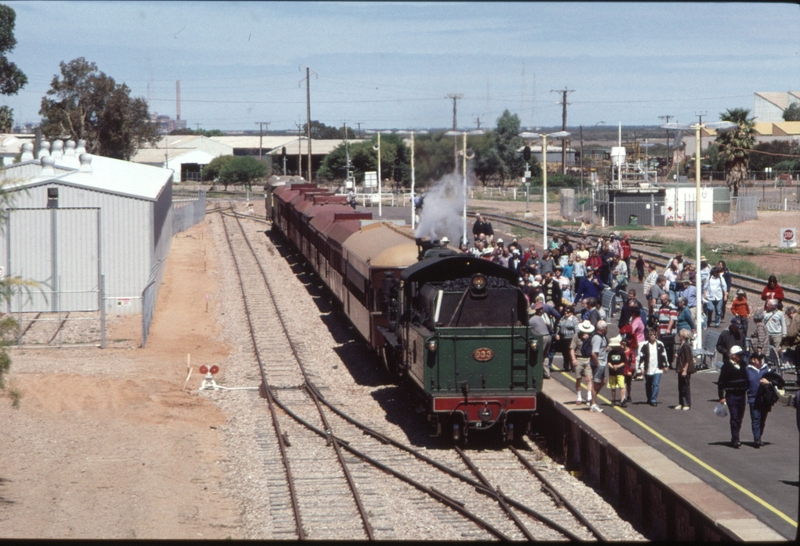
[(478, 281), (432, 345), (534, 344)]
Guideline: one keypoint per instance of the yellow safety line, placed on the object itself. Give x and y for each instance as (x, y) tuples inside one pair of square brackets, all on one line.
[(678, 448)]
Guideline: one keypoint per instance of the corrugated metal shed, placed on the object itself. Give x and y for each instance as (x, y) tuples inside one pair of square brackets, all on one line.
[(133, 227)]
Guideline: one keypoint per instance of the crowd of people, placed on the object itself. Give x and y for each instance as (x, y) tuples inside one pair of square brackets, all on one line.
[(564, 283)]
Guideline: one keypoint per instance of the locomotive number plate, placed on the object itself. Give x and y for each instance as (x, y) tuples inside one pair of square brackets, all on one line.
[(483, 354)]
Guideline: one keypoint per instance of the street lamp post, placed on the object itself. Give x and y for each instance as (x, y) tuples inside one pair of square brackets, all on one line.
[(413, 204), (464, 238), (560, 134), (720, 126), (377, 147)]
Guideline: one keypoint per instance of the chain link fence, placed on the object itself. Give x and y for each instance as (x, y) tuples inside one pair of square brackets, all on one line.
[(189, 208), (743, 208)]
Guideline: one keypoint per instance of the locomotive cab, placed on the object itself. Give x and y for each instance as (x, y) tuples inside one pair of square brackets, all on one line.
[(467, 346)]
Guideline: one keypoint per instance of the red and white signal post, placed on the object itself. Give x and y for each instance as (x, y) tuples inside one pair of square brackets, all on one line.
[(208, 382)]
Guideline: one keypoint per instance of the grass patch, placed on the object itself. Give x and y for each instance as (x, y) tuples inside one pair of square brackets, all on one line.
[(786, 251), (520, 232)]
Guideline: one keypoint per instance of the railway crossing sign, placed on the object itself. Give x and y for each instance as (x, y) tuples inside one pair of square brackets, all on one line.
[(788, 238)]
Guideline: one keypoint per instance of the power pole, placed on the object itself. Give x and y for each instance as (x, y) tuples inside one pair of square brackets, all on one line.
[(563, 104), (667, 118), (308, 117), (299, 149), (261, 136), (455, 97)]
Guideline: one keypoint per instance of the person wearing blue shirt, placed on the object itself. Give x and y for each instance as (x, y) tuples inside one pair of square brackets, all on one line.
[(690, 293), (590, 287), (755, 377)]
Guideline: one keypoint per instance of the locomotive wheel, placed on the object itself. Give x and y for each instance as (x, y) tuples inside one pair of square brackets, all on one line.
[(389, 358)]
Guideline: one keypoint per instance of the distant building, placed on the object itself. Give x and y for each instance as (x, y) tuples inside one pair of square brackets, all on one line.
[(769, 107), (186, 155), (166, 124)]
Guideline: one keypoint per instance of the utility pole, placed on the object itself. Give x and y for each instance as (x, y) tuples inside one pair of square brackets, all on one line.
[(299, 149), (261, 136), (455, 97), (308, 117), (563, 104), (667, 118), (581, 132), (698, 159)]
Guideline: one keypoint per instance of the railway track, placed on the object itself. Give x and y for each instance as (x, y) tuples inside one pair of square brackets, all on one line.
[(751, 285), (328, 469)]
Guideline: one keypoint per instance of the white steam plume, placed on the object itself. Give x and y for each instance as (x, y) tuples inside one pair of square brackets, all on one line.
[(442, 209)]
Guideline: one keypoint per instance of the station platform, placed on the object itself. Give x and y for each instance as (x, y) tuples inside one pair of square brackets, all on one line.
[(763, 482), (746, 494)]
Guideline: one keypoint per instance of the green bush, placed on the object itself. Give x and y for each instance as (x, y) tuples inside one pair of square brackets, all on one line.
[(242, 170)]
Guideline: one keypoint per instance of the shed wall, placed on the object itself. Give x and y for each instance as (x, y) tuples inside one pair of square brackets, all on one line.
[(59, 249), (126, 233)]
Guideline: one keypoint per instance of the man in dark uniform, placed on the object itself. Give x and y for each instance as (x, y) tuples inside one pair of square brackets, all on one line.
[(732, 390), (730, 338)]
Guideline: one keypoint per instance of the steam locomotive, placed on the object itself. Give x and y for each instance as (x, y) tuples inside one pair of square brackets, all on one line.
[(451, 326)]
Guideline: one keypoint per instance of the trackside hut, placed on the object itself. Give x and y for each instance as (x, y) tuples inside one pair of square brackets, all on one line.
[(74, 222)]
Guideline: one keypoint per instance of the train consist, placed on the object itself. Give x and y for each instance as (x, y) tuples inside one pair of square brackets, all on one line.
[(452, 326)]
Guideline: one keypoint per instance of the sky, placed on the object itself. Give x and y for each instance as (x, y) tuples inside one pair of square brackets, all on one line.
[(391, 65)]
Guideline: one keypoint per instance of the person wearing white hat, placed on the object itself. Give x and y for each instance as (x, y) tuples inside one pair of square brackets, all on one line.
[(732, 391), (580, 351)]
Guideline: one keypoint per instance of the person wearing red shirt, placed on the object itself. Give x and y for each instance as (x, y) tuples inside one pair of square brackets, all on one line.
[(594, 260), (625, 245), (773, 290)]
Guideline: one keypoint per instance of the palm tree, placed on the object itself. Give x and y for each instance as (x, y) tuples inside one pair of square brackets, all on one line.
[(735, 146)]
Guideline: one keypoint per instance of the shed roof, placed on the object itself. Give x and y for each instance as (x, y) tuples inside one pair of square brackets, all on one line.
[(157, 156), (318, 147), (780, 99), (763, 127), (253, 142), (786, 128), (107, 175), (192, 142)]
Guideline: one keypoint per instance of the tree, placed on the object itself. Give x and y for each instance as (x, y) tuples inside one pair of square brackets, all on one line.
[(735, 146), (198, 132), (508, 144), (792, 112), (395, 160), (6, 119), (212, 170), (768, 154), (89, 105), (242, 170), (321, 131), (12, 79)]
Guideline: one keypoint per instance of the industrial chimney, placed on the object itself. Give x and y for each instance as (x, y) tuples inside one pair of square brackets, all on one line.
[(178, 96)]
